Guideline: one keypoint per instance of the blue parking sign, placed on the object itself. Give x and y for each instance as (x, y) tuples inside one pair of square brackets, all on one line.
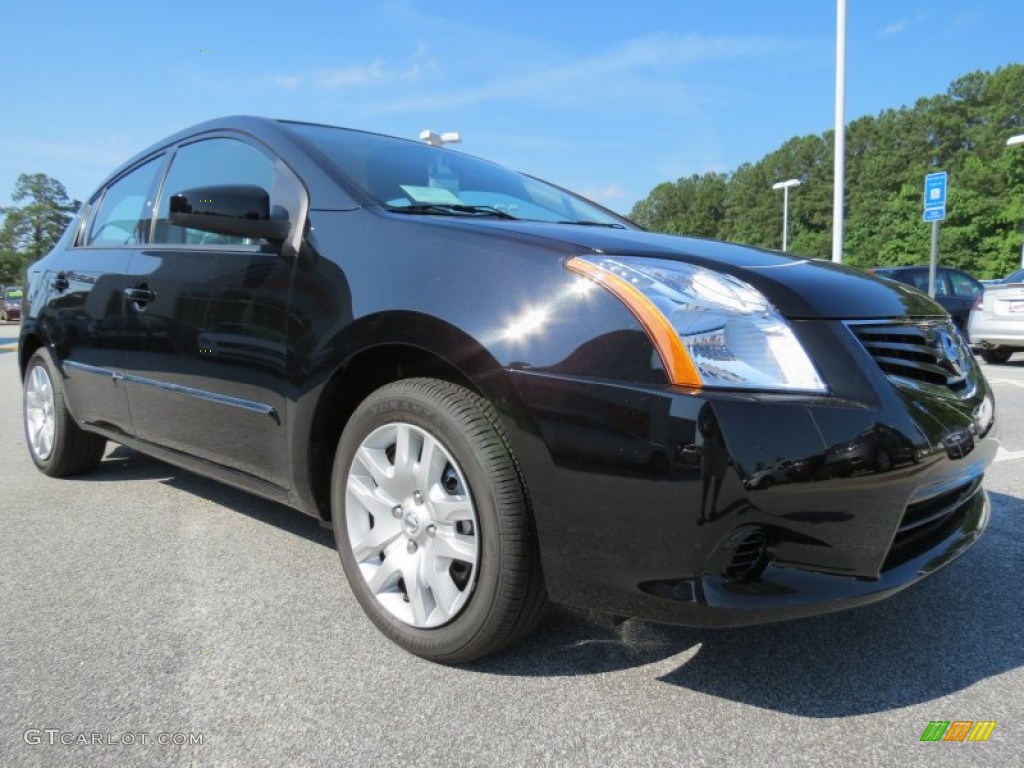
[(935, 196)]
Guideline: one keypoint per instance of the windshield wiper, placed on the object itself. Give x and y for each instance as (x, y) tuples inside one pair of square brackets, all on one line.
[(581, 223), (448, 209)]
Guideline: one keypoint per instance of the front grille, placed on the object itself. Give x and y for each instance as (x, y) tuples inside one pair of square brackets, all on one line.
[(932, 353), (926, 523)]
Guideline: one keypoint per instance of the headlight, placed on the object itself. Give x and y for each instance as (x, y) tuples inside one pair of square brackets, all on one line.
[(711, 329)]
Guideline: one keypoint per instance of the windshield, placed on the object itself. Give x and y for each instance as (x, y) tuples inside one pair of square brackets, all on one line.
[(420, 178)]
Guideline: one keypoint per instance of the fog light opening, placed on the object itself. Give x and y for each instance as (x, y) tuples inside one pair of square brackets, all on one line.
[(750, 557)]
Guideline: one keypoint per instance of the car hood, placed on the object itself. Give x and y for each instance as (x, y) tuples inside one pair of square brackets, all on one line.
[(799, 288)]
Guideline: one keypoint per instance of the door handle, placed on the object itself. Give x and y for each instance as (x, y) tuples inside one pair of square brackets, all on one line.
[(139, 295)]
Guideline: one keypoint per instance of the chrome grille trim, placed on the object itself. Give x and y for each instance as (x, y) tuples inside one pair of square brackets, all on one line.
[(923, 354)]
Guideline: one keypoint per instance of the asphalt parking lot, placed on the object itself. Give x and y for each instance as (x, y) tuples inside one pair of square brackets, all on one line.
[(168, 620)]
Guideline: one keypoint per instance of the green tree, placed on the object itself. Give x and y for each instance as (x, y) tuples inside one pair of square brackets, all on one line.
[(693, 206), (753, 211), (962, 131), (32, 228)]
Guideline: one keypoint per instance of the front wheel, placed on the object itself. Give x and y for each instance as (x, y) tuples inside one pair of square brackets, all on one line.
[(432, 522), (996, 355), (58, 446)]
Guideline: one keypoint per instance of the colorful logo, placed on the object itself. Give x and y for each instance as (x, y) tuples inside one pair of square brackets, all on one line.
[(958, 730)]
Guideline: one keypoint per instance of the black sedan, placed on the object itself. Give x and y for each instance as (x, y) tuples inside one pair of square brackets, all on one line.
[(501, 394)]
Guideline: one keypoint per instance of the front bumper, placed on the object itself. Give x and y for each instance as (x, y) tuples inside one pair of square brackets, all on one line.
[(725, 509), (789, 592)]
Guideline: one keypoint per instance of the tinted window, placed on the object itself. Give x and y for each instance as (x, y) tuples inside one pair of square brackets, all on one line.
[(941, 284), (918, 279), (963, 285), (126, 209), (211, 163)]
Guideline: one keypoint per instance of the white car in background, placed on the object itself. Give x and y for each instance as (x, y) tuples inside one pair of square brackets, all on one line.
[(996, 322)]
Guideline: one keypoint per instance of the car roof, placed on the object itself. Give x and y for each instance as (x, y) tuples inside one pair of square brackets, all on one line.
[(910, 270), (333, 190)]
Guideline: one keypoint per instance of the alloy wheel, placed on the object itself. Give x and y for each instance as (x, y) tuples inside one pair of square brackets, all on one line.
[(40, 419)]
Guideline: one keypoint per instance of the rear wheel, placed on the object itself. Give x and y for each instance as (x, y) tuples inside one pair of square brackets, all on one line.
[(883, 461), (996, 355), (432, 522), (58, 446)]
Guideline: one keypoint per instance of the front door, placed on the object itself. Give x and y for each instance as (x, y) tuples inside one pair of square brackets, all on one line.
[(208, 371)]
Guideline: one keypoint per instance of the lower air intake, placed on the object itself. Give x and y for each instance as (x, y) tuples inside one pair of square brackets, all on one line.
[(749, 558)]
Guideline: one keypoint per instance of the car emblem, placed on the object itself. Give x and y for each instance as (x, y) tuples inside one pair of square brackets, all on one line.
[(952, 351), (411, 522)]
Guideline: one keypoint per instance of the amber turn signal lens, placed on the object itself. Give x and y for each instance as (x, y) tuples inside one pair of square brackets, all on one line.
[(674, 357)]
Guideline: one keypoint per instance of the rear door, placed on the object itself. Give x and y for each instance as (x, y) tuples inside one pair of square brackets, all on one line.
[(84, 306), (208, 371)]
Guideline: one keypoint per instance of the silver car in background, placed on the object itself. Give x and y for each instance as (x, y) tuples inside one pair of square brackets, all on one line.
[(996, 322)]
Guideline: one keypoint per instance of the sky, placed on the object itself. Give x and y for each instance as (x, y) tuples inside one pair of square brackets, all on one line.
[(607, 99)]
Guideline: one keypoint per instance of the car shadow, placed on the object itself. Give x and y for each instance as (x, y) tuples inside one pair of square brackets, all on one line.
[(121, 464), (1015, 361), (952, 630)]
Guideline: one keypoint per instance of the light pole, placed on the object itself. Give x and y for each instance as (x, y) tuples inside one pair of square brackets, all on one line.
[(439, 140), (1015, 141), (839, 158), (784, 186)]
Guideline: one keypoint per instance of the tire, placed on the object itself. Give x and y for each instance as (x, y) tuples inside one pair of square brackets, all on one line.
[(58, 446), (425, 491), (996, 355), (883, 461)]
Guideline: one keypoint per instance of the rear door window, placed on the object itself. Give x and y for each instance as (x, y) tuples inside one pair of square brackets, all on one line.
[(126, 209), (962, 285)]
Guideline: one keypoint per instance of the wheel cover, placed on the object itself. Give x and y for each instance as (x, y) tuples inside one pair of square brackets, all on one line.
[(411, 524), (40, 418)]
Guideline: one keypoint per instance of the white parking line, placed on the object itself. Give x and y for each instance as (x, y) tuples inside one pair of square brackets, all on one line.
[(1004, 455)]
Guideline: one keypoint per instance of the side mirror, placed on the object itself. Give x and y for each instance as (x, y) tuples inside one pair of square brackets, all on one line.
[(242, 210)]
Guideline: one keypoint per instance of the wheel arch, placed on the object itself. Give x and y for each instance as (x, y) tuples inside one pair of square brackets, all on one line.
[(396, 347), (27, 346)]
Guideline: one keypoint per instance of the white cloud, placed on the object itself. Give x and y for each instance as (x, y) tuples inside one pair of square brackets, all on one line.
[(639, 68), (965, 18), (291, 82), (607, 195), (353, 76), (895, 28), (376, 72)]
